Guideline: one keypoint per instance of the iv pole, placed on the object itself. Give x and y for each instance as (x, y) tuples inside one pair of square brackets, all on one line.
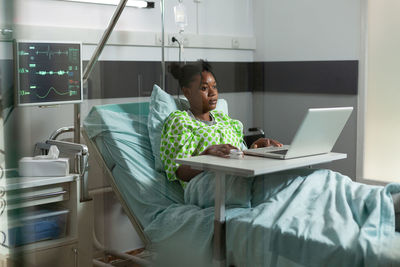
[(96, 55), (162, 44)]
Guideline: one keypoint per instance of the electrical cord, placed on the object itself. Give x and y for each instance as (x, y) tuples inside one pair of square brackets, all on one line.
[(179, 44)]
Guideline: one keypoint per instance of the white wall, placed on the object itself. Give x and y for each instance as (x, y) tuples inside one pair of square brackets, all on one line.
[(59, 20), (306, 30), (140, 27), (82, 15)]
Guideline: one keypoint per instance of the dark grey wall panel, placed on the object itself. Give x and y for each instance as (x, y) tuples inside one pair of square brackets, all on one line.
[(319, 77), (128, 78), (119, 79), (230, 76)]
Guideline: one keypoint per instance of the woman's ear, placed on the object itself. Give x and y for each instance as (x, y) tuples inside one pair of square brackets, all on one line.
[(186, 92)]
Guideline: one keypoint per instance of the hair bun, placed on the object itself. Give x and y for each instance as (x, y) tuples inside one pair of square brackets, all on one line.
[(176, 70), (185, 74)]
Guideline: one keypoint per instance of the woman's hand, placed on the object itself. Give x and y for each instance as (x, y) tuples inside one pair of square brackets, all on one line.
[(219, 150), (186, 173), (263, 142)]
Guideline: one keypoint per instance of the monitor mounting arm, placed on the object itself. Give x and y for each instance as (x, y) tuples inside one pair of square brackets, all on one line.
[(96, 55), (92, 62)]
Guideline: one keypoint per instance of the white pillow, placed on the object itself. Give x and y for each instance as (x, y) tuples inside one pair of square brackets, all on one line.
[(161, 105)]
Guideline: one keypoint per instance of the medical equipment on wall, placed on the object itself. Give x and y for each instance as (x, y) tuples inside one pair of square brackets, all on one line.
[(180, 16), (181, 23), (48, 73)]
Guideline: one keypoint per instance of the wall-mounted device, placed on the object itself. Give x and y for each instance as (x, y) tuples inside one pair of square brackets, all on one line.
[(48, 73)]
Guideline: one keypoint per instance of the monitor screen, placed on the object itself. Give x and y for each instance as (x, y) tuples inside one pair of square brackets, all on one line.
[(48, 73)]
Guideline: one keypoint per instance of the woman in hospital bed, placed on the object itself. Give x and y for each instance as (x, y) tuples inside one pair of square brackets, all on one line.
[(309, 204), (201, 130)]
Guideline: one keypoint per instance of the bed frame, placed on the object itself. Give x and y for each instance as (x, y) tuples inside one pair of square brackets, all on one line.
[(93, 150)]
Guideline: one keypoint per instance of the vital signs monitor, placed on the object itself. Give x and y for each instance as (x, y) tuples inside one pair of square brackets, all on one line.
[(48, 73)]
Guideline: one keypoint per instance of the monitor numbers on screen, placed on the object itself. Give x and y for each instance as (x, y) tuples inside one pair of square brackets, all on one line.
[(49, 73)]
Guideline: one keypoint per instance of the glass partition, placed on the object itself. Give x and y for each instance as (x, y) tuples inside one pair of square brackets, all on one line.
[(380, 120), (7, 144), (272, 62)]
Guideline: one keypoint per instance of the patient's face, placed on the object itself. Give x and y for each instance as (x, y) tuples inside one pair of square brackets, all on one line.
[(203, 94)]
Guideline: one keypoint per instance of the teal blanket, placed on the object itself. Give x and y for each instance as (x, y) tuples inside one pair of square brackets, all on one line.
[(300, 217), (318, 218)]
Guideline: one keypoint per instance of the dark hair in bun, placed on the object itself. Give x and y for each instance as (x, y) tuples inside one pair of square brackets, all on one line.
[(185, 74)]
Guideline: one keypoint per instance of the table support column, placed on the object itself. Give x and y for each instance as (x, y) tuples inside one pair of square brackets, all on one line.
[(219, 255)]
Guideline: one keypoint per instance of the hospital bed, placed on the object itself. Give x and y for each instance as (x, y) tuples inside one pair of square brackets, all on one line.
[(269, 234)]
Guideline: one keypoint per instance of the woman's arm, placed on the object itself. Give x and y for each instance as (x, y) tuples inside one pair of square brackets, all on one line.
[(186, 173)]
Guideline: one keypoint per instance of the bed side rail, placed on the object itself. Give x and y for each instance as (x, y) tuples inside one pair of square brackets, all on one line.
[(99, 158)]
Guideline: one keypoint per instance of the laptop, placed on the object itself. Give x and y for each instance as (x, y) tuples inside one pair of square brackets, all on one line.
[(317, 134)]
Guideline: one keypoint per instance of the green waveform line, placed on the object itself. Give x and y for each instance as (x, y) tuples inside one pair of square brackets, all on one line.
[(23, 70), (60, 72), (22, 92), (55, 91), (51, 53)]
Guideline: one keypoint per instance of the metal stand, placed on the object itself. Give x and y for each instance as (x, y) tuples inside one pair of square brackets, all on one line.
[(99, 49), (219, 257), (162, 5)]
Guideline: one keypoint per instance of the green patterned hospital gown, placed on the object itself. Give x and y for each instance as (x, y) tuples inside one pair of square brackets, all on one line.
[(183, 136)]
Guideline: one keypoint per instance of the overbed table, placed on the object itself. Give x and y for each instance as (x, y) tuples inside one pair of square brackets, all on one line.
[(247, 167)]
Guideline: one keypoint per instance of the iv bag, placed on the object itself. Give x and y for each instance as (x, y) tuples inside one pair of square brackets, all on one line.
[(180, 16)]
